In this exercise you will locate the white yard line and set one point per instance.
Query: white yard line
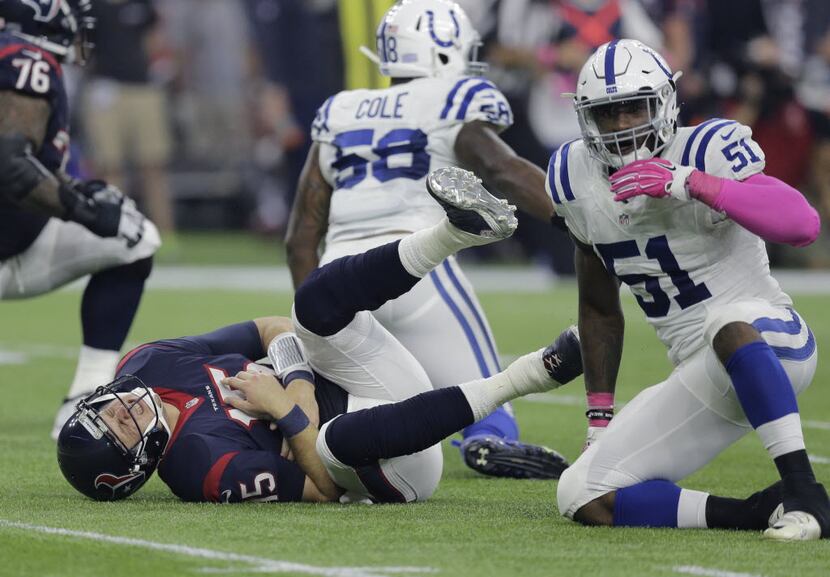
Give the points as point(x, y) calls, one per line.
point(819, 460)
point(249, 563)
point(709, 572)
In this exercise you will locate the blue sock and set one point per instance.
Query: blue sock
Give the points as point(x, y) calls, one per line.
point(647, 504)
point(762, 385)
point(333, 294)
point(500, 423)
point(361, 438)
point(109, 304)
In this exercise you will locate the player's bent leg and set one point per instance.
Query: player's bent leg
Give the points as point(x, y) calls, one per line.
point(361, 439)
point(66, 251)
point(364, 359)
point(769, 354)
point(351, 446)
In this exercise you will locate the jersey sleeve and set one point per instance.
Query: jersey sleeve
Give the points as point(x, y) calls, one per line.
point(558, 185)
point(241, 338)
point(471, 99)
point(724, 148)
point(320, 130)
point(30, 71)
point(205, 468)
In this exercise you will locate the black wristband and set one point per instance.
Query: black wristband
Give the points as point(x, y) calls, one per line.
point(294, 423)
point(600, 414)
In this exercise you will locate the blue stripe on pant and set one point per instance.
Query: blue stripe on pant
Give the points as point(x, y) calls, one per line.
point(499, 423)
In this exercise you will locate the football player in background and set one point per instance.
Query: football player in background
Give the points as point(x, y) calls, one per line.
point(56, 229)
point(363, 186)
point(216, 421)
point(680, 215)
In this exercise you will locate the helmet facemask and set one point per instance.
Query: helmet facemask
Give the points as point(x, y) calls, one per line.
point(129, 393)
point(617, 148)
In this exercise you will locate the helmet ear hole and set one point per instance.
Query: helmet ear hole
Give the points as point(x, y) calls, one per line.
point(443, 58)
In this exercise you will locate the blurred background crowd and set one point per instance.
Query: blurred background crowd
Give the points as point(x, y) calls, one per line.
point(200, 109)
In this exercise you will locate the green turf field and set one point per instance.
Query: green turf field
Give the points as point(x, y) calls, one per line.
point(472, 526)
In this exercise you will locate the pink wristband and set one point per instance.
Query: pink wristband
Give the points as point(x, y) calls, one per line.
point(600, 409)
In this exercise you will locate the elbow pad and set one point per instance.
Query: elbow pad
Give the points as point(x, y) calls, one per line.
point(20, 171)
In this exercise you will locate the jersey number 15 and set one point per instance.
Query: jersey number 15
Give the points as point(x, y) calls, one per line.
point(352, 168)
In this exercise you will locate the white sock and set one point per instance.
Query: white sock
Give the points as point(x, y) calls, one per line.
point(691, 509)
point(95, 367)
point(782, 436)
point(424, 250)
point(525, 375)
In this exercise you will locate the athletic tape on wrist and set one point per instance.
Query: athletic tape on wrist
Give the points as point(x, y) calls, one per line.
point(294, 423)
point(287, 356)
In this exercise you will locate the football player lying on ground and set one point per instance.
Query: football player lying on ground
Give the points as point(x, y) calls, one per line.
point(215, 422)
point(680, 216)
point(56, 229)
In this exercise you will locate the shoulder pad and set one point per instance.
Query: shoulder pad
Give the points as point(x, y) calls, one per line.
point(476, 98)
point(29, 70)
point(723, 148)
point(559, 174)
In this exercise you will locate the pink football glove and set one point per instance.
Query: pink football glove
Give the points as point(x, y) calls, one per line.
point(655, 177)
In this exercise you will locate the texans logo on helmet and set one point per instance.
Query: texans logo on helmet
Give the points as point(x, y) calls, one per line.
point(116, 483)
point(45, 10)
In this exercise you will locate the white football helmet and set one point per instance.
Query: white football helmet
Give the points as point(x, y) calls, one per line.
point(626, 76)
point(419, 38)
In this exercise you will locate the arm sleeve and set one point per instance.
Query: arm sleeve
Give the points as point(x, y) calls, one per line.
point(241, 338)
point(28, 70)
point(320, 130)
point(558, 186)
point(206, 468)
point(254, 476)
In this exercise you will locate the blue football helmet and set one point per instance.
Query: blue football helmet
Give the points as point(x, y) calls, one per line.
point(95, 460)
point(61, 27)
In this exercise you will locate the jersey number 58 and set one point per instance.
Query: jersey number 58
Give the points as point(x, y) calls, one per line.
point(383, 160)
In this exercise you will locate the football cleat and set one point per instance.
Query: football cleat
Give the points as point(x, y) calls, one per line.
point(469, 206)
point(65, 412)
point(794, 526)
point(803, 516)
point(513, 459)
point(563, 357)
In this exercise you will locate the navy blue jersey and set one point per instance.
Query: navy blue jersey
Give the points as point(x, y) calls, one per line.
point(34, 72)
point(218, 453)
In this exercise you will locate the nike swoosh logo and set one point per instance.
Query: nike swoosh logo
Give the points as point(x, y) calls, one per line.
point(32, 54)
point(728, 135)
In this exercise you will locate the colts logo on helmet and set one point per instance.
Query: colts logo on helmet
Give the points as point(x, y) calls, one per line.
point(116, 483)
point(434, 36)
point(45, 10)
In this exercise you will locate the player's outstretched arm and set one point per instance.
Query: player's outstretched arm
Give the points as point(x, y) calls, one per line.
point(601, 329)
point(309, 218)
point(764, 205)
point(480, 149)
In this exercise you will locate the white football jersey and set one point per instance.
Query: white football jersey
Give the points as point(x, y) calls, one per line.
point(678, 258)
point(377, 147)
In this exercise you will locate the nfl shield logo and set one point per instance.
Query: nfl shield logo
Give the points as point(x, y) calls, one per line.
point(624, 219)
